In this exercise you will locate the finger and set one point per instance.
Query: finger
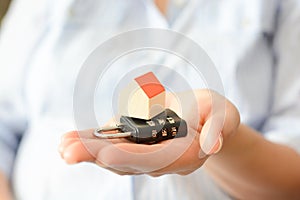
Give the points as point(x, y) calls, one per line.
point(155, 174)
point(79, 146)
point(189, 161)
point(83, 134)
point(89, 134)
point(181, 172)
point(72, 137)
point(184, 173)
point(211, 137)
point(218, 145)
point(65, 143)
point(128, 157)
point(75, 153)
point(86, 134)
point(83, 150)
point(119, 172)
point(144, 158)
point(232, 120)
point(124, 172)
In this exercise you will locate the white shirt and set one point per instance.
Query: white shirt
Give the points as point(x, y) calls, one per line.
point(254, 44)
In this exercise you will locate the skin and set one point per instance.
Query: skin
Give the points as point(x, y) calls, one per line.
point(84, 146)
point(250, 167)
point(5, 192)
point(247, 166)
point(162, 5)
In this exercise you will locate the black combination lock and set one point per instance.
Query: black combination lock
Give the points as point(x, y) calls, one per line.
point(164, 126)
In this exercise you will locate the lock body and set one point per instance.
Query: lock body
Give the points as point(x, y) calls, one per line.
point(164, 126)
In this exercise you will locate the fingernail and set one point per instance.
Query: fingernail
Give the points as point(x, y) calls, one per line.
point(211, 143)
point(218, 146)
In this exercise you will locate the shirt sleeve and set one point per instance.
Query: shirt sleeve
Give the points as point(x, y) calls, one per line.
point(12, 110)
point(283, 125)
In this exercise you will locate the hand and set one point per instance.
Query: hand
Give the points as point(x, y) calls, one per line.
point(207, 124)
point(5, 191)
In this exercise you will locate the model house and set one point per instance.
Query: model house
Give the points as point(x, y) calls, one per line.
point(143, 98)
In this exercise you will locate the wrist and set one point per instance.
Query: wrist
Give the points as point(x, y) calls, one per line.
point(237, 145)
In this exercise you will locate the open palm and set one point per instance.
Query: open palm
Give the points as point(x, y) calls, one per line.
point(211, 118)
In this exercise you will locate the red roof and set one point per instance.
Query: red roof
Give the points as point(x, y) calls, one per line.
point(150, 84)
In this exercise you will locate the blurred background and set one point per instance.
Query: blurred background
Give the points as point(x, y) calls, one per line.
point(3, 8)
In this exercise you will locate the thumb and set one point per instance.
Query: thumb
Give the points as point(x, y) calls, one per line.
point(211, 138)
